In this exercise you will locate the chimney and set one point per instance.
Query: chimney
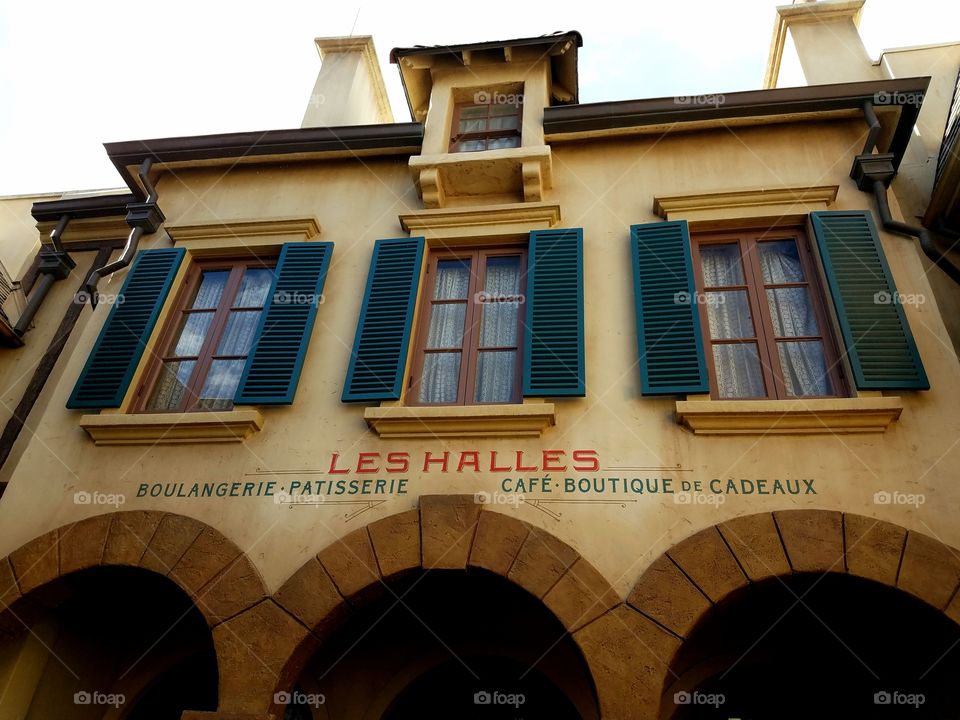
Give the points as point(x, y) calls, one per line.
point(349, 88)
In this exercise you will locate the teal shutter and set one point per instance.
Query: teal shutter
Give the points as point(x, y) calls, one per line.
point(553, 363)
point(118, 349)
point(379, 353)
point(672, 361)
point(273, 367)
point(879, 344)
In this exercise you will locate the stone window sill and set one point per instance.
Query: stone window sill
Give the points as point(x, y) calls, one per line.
point(172, 428)
point(789, 417)
point(461, 421)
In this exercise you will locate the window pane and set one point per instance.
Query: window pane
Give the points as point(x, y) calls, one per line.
point(721, 265)
point(792, 312)
point(472, 126)
point(220, 385)
point(470, 146)
point(504, 108)
point(441, 378)
point(498, 327)
point(212, 283)
point(453, 280)
point(254, 288)
point(496, 372)
point(474, 111)
point(738, 370)
point(505, 142)
point(804, 368)
point(446, 325)
point(171, 385)
point(780, 261)
point(507, 122)
point(728, 313)
point(192, 334)
point(237, 337)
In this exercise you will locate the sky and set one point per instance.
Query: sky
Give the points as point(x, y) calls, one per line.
point(74, 75)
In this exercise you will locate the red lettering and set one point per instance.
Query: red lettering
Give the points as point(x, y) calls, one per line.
point(365, 462)
point(493, 463)
point(428, 459)
point(398, 462)
point(552, 460)
point(521, 467)
point(469, 458)
point(334, 470)
point(589, 459)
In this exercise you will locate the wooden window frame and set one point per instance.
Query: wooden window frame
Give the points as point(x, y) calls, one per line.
point(764, 336)
point(470, 343)
point(456, 138)
point(206, 355)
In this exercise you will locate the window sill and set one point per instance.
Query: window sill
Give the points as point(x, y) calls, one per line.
point(521, 420)
point(525, 171)
point(789, 417)
point(172, 428)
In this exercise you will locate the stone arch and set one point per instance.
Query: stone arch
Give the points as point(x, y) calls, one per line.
point(681, 586)
point(216, 575)
point(266, 646)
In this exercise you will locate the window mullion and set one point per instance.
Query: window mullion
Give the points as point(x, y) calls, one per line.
point(763, 327)
point(471, 335)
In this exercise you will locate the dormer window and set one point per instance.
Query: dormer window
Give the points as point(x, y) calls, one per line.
point(491, 120)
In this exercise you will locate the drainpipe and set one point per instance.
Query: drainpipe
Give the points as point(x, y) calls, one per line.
point(143, 218)
point(873, 173)
point(52, 265)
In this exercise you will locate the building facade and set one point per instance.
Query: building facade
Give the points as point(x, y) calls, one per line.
point(524, 408)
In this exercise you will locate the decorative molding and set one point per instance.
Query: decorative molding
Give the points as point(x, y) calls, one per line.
point(81, 230)
point(532, 174)
point(244, 232)
point(431, 189)
point(501, 421)
point(716, 207)
point(172, 428)
point(789, 417)
point(477, 222)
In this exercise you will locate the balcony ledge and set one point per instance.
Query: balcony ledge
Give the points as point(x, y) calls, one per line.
point(172, 428)
point(835, 416)
point(461, 421)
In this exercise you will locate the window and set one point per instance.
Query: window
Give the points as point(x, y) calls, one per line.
point(490, 122)
point(762, 316)
point(206, 344)
point(470, 335)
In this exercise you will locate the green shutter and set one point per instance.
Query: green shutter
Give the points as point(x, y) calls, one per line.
point(553, 363)
point(668, 326)
point(879, 344)
point(118, 349)
point(383, 331)
point(273, 367)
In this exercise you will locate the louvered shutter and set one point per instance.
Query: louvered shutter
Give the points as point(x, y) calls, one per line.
point(879, 344)
point(121, 343)
point(553, 362)
point(668, 326)
point(379, 353)
point(273, 367)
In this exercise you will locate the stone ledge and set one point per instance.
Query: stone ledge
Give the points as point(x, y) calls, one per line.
point(172, 428)
point(789, 417)
point(519, 420)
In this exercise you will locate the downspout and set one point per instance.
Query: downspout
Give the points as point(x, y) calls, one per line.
point(53, 265)
point(873, 173)
point(143, 218)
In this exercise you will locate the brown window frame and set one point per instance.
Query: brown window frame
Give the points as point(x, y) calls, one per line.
point(470, 343)
point(456, 138)
point(206, 355)
point(764, 336)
